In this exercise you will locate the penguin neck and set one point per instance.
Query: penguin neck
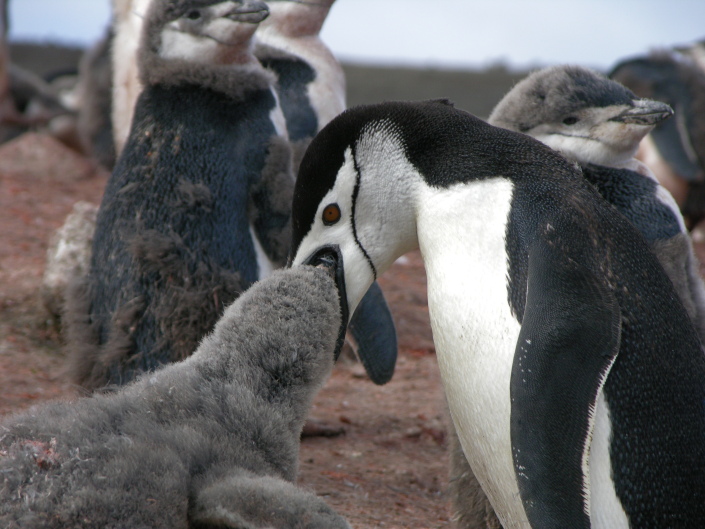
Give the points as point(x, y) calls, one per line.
point(234, 80)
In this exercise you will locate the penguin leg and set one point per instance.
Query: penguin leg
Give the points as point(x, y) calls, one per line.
point(259, 502)
point(569, 339)
point(469, 505)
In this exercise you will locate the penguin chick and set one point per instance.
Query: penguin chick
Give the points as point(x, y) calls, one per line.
point(197, 207)
point(212, 441)
point(599, 123)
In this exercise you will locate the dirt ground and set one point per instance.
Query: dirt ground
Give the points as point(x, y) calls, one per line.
point(388, 468)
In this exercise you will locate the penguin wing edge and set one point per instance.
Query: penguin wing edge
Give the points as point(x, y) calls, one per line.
point(569, 339)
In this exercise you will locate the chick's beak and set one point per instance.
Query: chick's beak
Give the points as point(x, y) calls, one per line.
point(251, 11)
point(645, 112)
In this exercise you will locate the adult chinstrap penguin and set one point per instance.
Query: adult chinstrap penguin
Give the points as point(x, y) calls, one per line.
point(599, 123)
point(197, 208)
point(573, 374)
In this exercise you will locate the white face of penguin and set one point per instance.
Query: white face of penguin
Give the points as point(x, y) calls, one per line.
point(369, 213)
point(606, 136)
point(220, 33)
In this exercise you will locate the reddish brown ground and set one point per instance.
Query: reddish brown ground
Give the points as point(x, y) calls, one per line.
point(387, 470)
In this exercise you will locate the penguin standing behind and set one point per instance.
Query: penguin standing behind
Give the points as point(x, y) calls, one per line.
point(574, 377)
point(599, 123)
point(310, 81)
point(372, 326)
point(128, 18)
point(675, 149)
point(197, 208)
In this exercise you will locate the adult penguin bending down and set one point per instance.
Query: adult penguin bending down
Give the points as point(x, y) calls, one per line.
point(574, 377)
point(197, 208)
point(310, 85)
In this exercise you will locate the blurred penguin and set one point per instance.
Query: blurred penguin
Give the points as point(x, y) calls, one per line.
point(675, 149)
point(128, 17)
point(310, 81)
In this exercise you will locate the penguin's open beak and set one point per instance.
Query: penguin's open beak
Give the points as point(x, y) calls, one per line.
point(251, 11)
point(331, 258)
point(645, 112)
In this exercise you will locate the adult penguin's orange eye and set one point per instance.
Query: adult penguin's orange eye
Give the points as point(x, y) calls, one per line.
point(331, 214)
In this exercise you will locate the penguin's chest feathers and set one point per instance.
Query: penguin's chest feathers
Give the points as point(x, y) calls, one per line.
point(462, 235)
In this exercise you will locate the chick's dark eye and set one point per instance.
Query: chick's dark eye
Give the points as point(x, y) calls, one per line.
point(570, 120)
point(331, 214)
point(193, 15)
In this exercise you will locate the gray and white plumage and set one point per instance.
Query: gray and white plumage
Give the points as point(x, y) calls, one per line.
point(607, 123)
point(212, 441)
point(197, 207)
point(573, 374)
point(311, 82)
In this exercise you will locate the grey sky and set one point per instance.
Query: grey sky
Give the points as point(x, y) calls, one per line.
point(451, 33)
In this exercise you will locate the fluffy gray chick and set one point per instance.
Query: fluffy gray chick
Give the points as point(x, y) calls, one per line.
point(212, 441)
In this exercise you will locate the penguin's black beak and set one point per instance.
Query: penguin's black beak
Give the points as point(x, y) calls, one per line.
point(250, 11)
point(331, 259)
point(645, 112)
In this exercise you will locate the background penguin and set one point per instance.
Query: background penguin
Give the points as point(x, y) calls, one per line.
point(675, 149)
point(94, 91)
point(197, 208)
point(310, 81)
point(209, 442)
point(573, 374)
point(128, 18)
point(372, 326)
point(598, 123)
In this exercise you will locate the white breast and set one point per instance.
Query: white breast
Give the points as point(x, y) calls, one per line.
point(462, 238)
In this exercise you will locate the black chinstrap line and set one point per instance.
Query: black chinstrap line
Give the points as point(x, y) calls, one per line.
point(352, 218)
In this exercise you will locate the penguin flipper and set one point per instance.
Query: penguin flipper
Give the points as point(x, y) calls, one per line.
point(569, 339)
point(373, 328)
